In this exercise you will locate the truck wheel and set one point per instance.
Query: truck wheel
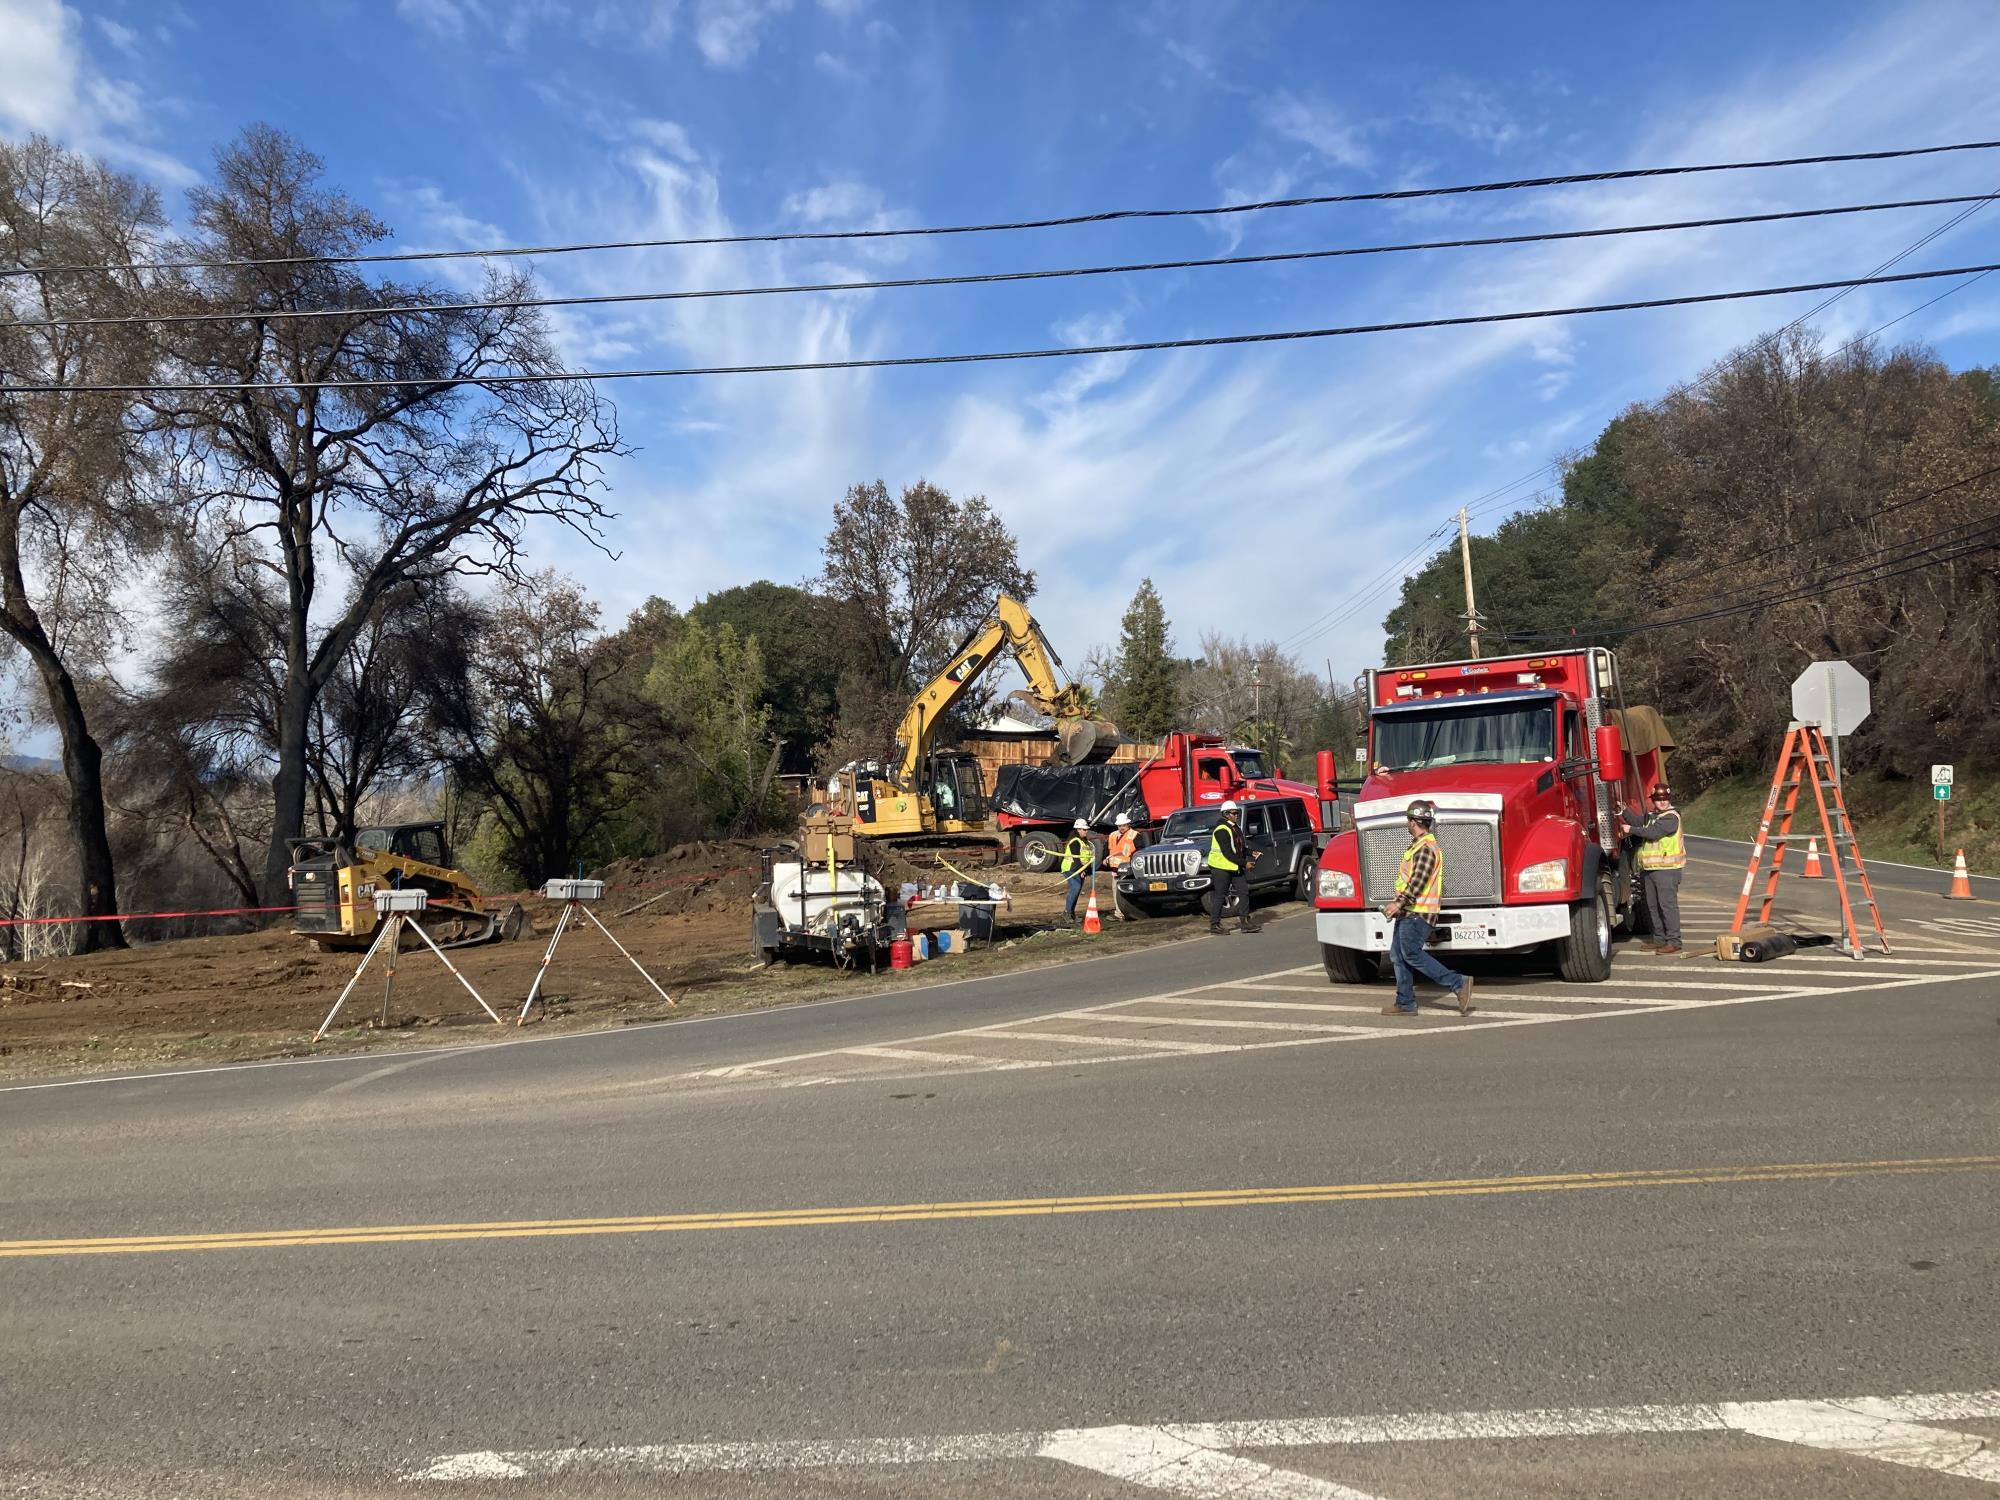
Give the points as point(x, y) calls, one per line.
point(1584, 957)
point(1039, 853)
point(1129, 909)
point(1348, 966)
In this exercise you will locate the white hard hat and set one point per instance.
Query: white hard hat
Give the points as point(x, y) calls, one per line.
point(1230, 805)
point(1124, 821)
point(1082, 827)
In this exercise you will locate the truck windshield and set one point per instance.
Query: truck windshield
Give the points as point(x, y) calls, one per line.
point(1250, 764)
point(1190, 823)
point(1466, 734)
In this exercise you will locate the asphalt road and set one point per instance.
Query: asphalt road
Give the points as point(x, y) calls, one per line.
point(974, 1240)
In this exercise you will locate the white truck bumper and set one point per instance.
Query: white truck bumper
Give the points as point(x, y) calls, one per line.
point(1475, 927)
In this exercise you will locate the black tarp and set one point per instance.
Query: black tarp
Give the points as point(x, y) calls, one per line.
point(1066, 793)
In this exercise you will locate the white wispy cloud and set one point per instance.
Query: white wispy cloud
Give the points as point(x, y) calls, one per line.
point(728, 32)
point(49, 83)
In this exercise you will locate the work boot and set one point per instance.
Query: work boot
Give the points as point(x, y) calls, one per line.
point(1465, 997)
point(1244, 924)
point(1668, 950)
point(1397, 1010)
point(1216, 929)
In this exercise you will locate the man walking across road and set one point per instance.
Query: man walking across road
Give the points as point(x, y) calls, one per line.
point(1079, 863)
point(1662, 857)
point(1419, 895)
point(1228, 871)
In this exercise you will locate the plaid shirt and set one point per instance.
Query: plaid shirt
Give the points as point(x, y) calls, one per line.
point(1423, 864)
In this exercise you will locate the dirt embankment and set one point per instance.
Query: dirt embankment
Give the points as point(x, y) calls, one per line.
point(684, 914)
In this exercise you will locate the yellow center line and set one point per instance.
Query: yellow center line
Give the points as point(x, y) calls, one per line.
point(907, 1213)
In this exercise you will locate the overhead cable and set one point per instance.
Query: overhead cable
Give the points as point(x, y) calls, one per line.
point(603, 299)
point(906, 361)
point(1386, 195)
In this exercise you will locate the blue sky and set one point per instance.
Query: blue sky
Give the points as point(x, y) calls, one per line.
point(1259, 487)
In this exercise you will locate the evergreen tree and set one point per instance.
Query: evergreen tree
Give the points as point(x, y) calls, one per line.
point(1145, 687)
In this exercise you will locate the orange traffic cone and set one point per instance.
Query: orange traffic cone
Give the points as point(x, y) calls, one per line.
point(1961, 883)
point(1092, 922)
point(1813, 870)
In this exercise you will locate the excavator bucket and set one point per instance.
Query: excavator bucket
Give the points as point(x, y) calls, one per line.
point(1084, 741)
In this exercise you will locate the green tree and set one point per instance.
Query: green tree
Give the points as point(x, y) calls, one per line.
point(1144, 690)
point(802, 659)
point(709, 686)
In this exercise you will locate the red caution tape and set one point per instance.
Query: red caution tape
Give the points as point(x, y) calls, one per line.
point(144, 916)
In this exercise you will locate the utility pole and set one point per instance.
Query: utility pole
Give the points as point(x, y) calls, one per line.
point(1471, 609)
point(1257, 690)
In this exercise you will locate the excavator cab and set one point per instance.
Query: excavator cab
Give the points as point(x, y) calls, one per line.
point(957, 791)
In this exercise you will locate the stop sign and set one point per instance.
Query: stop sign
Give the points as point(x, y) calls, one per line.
point(1832, 695)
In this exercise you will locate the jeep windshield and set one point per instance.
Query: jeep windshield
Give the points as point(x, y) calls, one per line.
point(1466, 734)
point(1190, 823)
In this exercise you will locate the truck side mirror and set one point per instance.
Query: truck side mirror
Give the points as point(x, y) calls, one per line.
point(1326, 772)
point(1610, 755)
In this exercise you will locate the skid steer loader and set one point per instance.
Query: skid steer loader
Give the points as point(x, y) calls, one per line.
point(334, 889)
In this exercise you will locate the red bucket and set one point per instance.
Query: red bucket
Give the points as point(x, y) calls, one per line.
point(899, 953)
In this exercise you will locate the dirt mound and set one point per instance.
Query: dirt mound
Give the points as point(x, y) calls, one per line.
point(709, 875)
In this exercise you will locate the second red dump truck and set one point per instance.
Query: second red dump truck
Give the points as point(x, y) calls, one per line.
point(1037, 806)
point(1526, 759)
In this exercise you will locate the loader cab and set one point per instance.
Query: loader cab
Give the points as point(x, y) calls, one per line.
point(423, 842)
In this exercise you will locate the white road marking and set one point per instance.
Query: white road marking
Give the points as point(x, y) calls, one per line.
point(1154, 1459)
point(1138, 1020)
point(1194, 1458)
point(1632, 991)
point(1866, 1432)
point(1310, 1005)
point(1100, 1041)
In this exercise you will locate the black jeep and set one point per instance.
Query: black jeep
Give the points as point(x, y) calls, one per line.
point(1173, 872)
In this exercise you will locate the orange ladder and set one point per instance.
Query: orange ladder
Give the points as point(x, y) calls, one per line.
point(1805, 762)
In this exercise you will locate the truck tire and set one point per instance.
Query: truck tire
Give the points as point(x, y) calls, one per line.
point(1584, 957)
point(1041, 852)
point(1348, 965)
point(1306, 886)
point(1129, 909)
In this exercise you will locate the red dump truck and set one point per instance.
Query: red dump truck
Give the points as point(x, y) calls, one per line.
point(1527, 759)
point(1036, 806)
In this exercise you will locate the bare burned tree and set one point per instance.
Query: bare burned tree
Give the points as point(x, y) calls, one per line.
point(354, 453)
point(68, 458)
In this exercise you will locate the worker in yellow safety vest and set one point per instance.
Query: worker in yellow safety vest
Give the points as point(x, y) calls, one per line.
point(1413, 913)
point(1662, 857)
point(1079, 863)
point(1229, 871)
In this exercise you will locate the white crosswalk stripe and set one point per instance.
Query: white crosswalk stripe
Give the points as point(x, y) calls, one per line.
point(1298, 1007)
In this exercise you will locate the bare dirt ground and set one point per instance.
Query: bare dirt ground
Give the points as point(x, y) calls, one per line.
point(263, 994)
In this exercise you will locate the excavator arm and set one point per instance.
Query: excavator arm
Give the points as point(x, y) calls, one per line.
point(1012, 627)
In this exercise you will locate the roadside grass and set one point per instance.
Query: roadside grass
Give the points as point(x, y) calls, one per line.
point(1896, 820)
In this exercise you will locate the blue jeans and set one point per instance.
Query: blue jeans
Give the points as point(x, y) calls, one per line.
point(1075, 894)
point(1407, 953)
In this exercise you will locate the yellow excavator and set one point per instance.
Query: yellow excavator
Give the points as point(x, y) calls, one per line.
point(932, 794)
point(334, 886)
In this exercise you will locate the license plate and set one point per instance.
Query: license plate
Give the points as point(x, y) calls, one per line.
point(1156, 885)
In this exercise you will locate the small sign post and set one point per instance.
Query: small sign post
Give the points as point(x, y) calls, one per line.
point(1941, 779)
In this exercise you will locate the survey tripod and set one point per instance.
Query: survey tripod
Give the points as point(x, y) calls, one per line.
point(576, 897)
point(395, 909)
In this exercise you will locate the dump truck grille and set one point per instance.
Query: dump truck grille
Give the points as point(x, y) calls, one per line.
point(1471, 850)
point(1166, 863)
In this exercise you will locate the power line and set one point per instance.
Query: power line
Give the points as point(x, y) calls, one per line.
point(1905, 253)
point(1210, 341)
point(396, 309)
point(1058, 222)
point(1936, 547)
point(1476, 506)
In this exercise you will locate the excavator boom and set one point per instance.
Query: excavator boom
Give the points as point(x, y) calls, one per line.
point(1010, 627)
